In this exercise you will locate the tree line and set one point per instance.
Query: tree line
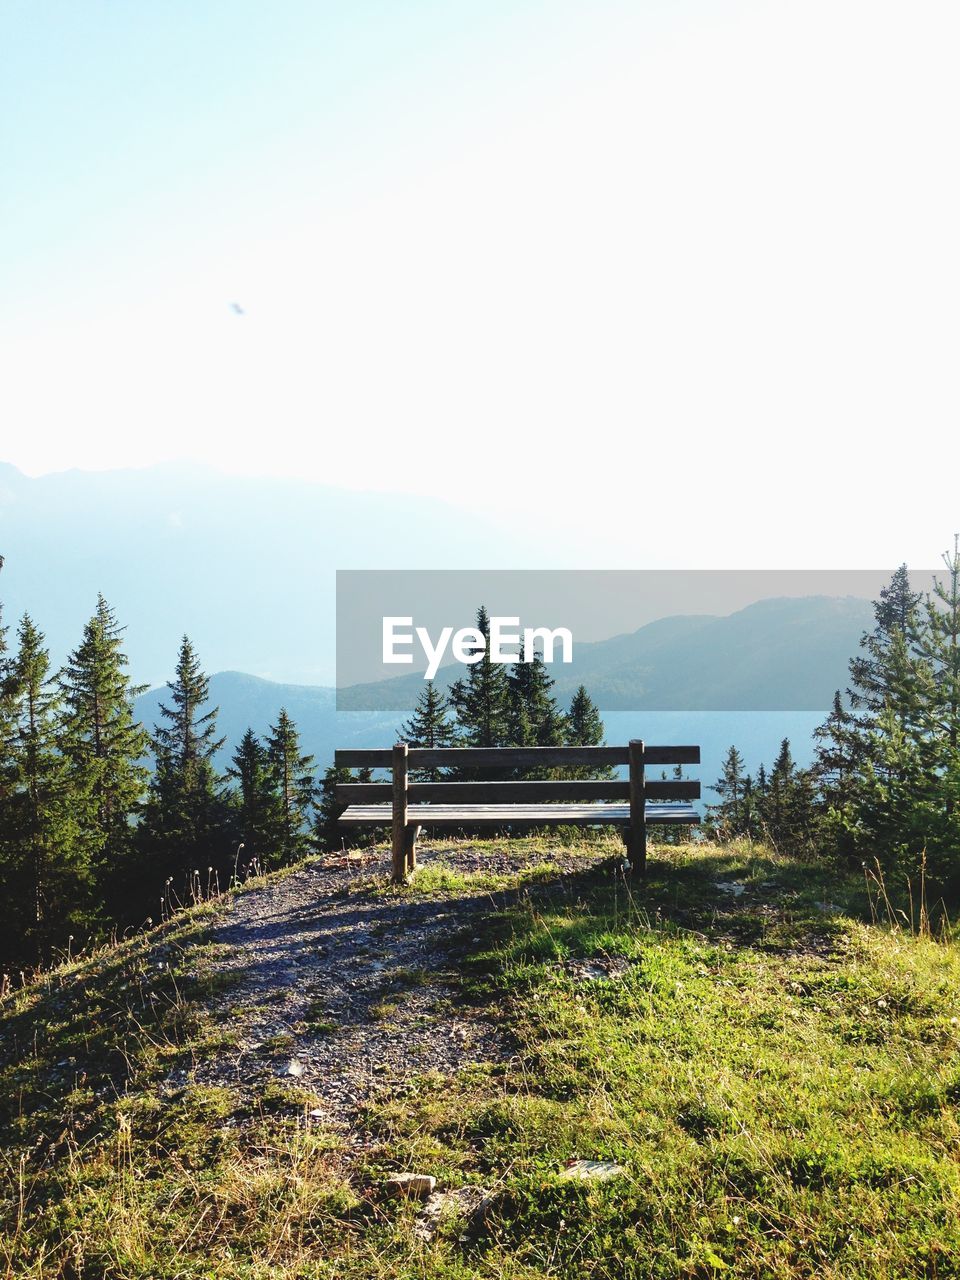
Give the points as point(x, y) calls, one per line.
point(491, 706)
point(105, 824)
point(885, 781)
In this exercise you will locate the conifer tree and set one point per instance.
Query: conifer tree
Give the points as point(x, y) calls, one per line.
point(584, 724)
point(727, 816)
point(839, 752)
point(185, 824)
point(892, 818)
point(876, 673)
point(938, 645)
point(429, 727)
point(291, 773)
point(789, 807)
point(47, 863)
point(906, 805)
point(328, 836)
point(7, 730)
point(749, 818)
point(533, 715)
point(886, 681)
point(534, 718)
point(104, 744)
point(778, 795)
point(256, 800)
point(481, 698)
point(584, 728)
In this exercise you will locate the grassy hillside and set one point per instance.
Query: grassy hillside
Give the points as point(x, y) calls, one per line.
point(773, 1072)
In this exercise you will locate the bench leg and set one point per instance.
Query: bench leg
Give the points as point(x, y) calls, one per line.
point(635, 841)
point(399, 815)
point(399, 852)
point(410, 848)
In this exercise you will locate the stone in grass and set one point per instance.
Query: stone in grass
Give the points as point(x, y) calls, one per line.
point(733, 887)
point(595, 1170)
point(410, 1186)
point(293, 1068)
point(470, 1202)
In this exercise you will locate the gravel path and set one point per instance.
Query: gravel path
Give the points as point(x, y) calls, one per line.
point(344, 990)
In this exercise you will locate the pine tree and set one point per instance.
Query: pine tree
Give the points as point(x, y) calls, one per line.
point(12, 884)
point(938, 646)
point(584, 725)
point(530, 687)
point(894, 817)
point(429, 727)
point(789, 808)
point(291, 772)
point(255, 799)
point(584, 728)
point(186, 825)
point(481, 698)
point(876, 672)
point(891, 683)
point(727, 817)
point(104, 744)
point(778, 795)
point(838, 754)
point(906, 805)
point(534, 719)
point(47, 864)
point(7, 730)
point(328, 836)
point(750, 820)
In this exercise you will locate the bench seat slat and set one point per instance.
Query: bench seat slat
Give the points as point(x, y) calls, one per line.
point(530, 792)
point(580, 815)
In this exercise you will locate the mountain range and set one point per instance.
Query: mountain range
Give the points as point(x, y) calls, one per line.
point(777, 655)
point(244, 565)
point(247, 701)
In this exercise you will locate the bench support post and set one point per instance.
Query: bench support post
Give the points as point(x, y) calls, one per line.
point(399, 761)
point(637, 832)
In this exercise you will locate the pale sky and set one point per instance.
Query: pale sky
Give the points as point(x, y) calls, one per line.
point(685, 275)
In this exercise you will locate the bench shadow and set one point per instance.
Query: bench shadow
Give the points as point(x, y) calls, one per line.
point(357, 945)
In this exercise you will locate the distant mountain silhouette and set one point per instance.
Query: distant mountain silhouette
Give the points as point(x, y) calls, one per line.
point(788, 653)
point(249, 702)
point(245, 566)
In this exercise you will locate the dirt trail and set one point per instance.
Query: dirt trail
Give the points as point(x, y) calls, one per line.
point(343, 989)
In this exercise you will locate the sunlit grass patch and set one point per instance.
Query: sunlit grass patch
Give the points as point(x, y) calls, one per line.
point(774, 1076)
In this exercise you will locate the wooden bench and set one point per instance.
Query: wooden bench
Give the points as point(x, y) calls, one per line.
point(632, 804)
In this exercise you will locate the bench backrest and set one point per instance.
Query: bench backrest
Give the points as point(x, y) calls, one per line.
point(401, 759)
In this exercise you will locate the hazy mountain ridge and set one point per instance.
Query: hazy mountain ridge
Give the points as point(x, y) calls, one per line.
point(778, 654)
point(247, 701)
point(784, 653)
point(244, 565)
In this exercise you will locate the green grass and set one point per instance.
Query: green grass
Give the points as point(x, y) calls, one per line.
point(441, 880)
point(777, 1074)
